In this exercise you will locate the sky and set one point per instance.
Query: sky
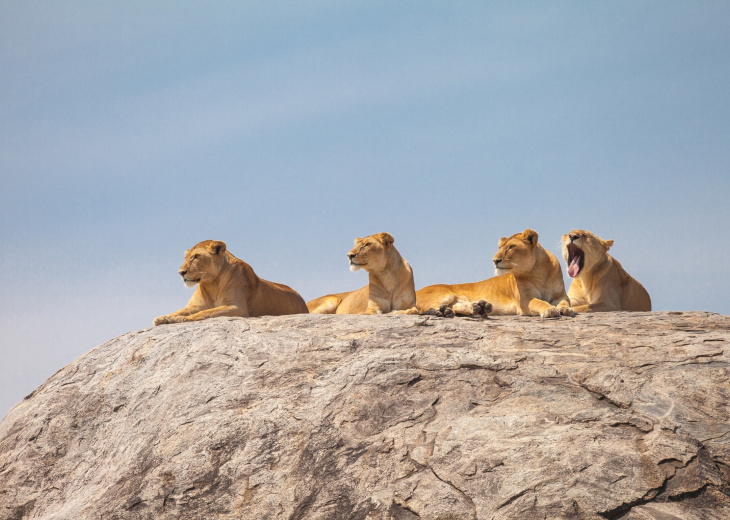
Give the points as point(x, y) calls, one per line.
point(129, 131)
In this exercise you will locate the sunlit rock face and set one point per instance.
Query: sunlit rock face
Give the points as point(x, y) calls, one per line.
point(611, 415)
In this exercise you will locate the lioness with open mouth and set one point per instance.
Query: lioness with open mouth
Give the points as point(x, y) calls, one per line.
point(599, 283)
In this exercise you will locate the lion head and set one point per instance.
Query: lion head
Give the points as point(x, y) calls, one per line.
point(202, 262)
point(582, 250)
point(370, 253)
point(516, 254)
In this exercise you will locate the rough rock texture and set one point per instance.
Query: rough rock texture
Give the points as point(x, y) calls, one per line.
point(383, 417)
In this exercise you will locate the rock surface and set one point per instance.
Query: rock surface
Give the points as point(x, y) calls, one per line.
point(601, 416)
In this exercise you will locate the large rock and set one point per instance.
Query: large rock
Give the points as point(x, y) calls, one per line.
point(382, 417)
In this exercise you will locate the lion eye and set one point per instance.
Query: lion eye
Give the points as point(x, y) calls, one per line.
point(195, 257)
point(510, 247)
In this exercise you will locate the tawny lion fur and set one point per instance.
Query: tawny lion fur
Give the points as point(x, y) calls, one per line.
point(228, 286)
point(529, 281)
point(390, 282)
point(599, 283)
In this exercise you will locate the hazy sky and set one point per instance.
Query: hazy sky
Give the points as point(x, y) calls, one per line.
point(131, 130)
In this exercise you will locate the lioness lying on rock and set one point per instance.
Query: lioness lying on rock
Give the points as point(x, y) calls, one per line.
point(529, 281)
point(228, 286)
point(390, 282)
point(599, 282)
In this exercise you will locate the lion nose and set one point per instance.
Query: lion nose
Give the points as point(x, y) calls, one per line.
point(182, 272)
point(350, 256)
point(573, 238)
point(497, 261)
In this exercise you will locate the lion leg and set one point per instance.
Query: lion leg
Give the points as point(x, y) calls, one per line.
point(469, 308)
point(597, 307)
point(542, 308)
point(412, 310)
point(164, 320)
point(440, 307)
point(377, 305)
point(565, 309)
point(217, 312)
point(324, 305)
point(186, 315)
point(176, 317)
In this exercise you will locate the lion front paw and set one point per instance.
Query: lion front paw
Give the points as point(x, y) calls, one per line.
point(550, 312)
point(567, 311)
point(160, 320)
point(481, 308)
point(163, 320)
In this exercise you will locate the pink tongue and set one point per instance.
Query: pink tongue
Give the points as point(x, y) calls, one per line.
point(574, 268)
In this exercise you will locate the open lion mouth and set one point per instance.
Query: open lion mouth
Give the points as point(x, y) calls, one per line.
point(576, 258)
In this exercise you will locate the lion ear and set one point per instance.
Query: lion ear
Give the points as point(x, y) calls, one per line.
point(385, 238)
point(217, 247)
point(502, 241)
point(607, 244)
point(530, 235)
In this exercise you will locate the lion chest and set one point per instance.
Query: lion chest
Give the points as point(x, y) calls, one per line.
point(227, 294)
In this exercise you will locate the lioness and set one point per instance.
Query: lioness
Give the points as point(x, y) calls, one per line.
point(529, 281)
point(599, 282)
point(228, 286)
point(390, 282)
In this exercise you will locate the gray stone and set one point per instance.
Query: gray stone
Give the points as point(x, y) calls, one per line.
point(602, 416)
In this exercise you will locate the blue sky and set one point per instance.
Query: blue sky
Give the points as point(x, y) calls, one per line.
point(129, 131)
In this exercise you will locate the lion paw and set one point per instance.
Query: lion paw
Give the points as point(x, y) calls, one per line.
point(160, 320)
point(567, 311)
point(551, 312)
point(482, 308)
point(442, 312)
point(163, 320)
